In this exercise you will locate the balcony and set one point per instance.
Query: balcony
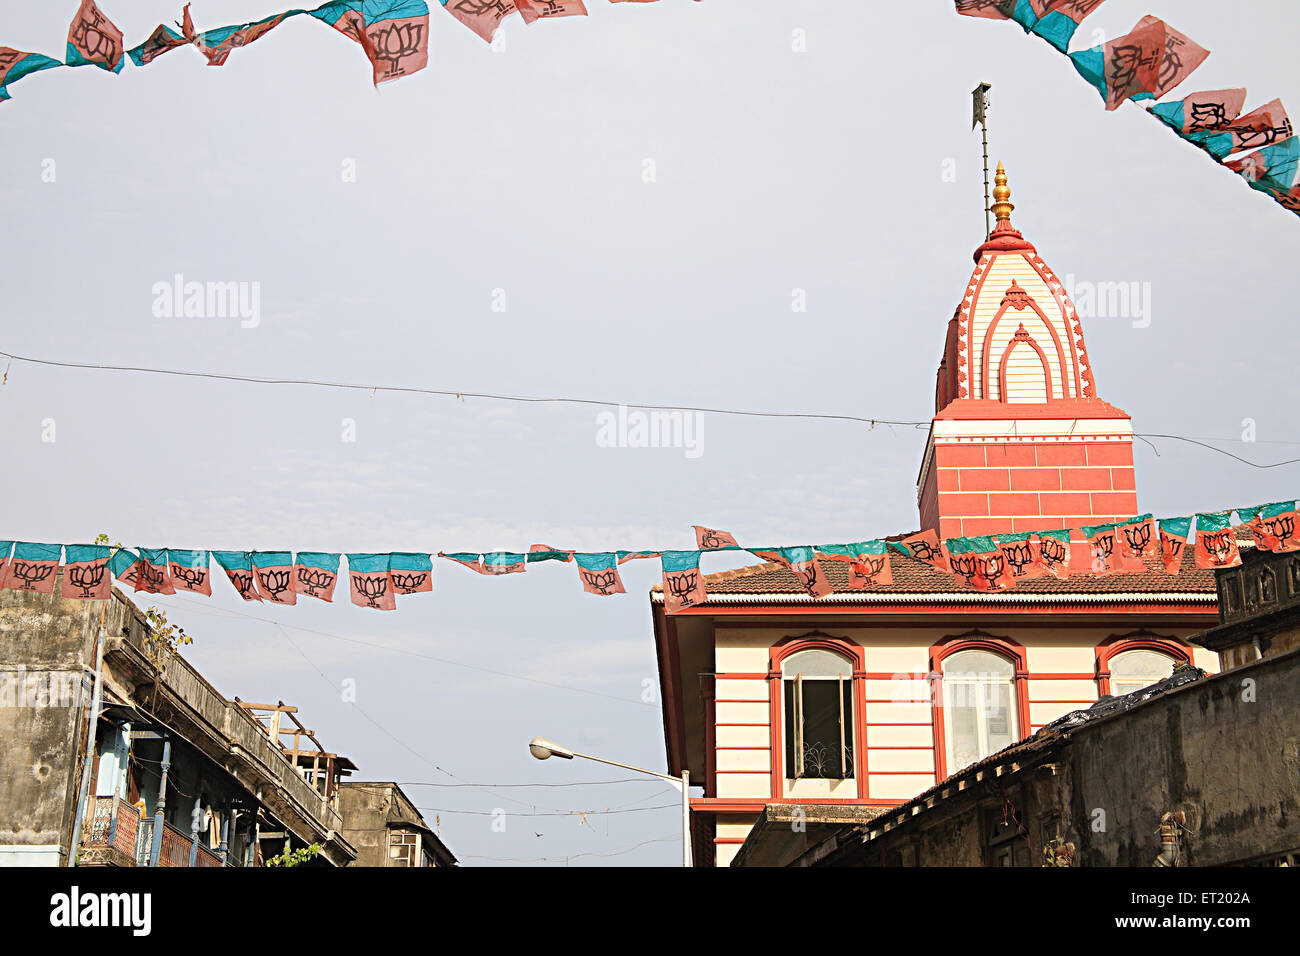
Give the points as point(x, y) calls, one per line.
point(111, 834)
point(115, 835)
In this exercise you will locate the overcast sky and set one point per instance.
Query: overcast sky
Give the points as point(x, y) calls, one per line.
point(848, 171)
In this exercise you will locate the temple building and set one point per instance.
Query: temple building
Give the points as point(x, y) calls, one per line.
point(800, 715)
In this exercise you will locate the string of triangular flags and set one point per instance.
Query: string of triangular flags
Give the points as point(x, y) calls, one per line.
point(376, 579)
point(1148, 62)
point(393, 34)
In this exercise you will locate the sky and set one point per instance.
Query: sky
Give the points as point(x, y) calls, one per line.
point(763, 205)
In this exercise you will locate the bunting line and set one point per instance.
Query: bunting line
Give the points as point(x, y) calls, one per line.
point(1148, 62)
point(376, 579)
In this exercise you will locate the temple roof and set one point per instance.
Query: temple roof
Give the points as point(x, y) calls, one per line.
point(916, 581)
point(1016, 337)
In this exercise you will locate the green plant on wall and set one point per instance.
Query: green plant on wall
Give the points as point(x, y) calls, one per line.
point(287, 857)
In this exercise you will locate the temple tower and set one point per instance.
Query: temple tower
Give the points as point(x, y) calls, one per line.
point(1020, 441)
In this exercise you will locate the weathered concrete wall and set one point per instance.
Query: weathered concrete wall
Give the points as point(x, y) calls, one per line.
point(1226, 750)
point(364, 810)
point(46, 655)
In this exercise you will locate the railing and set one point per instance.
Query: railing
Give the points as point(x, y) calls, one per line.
point(175, 847)
point(206, 857)
point(111, 832)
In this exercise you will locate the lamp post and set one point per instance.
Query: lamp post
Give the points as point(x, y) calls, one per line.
point(541, 748)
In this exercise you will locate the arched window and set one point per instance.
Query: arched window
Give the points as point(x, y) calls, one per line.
point(979, 706)
point(818, 689)
point(1133, 670)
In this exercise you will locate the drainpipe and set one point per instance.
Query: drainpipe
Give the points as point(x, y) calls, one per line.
point(156, 850)
point(1170, 824)
point(74, 842)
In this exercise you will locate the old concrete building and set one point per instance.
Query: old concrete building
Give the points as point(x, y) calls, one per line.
point(387, 829)
point(180, 776)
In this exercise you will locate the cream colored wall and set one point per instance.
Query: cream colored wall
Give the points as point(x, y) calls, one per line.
point(900, 758)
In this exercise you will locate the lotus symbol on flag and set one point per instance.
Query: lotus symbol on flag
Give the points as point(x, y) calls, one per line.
point(274, 583)
point(1138, 537)
point(1103, 546)
point(966, 567)
point(94, 42)
point(371, 587)
point(86, 577)
point(994, 567)
point(869, 568)
point(1052, 550)
point(601, 581)
point(681, 584)
point(711, 539)
point(191, 578)
point(396, 41)
point(1172, 547)
point(407, 582)
point(314, 578)
point(151, 578)
point(1218, 545)
point(924, 551)
point(1282, 528)
point(1019, 556)
point(243, 582)
point(30, 574)
point(1207, 116)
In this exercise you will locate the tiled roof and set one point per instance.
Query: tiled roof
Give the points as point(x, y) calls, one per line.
point(771, 583)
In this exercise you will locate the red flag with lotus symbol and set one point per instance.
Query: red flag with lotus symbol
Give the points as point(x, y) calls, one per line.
point(1173, 542)
point(315, 574)
point(152, 573)
point(369, 582)
point(708, 539)
point(275, 576)
point(1023, 558)
point(599, 573)
point(980, 562)
point(93, 40)
point(1273, 526)
point(1137, 537)
point(1216, 541)
point(85, 572)
point(238, 566)
point(1054, 552)
point(683, 583)
point(925, 546)
point(481, 16)
point(32, 567)
point(189, 571)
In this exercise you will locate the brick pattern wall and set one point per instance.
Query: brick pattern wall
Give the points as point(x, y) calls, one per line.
point(986, 488)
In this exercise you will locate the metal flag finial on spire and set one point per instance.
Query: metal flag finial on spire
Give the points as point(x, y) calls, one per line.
point(979, 117)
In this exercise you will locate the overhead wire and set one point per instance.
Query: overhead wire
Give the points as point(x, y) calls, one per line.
point(565, 400)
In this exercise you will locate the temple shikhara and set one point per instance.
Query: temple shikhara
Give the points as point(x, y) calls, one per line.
point(801, 714)
point(1020, 440)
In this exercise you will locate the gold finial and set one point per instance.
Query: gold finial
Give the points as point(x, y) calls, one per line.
point(1002, 204)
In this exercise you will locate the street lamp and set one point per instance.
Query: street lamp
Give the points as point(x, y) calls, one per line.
point(541, 748)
